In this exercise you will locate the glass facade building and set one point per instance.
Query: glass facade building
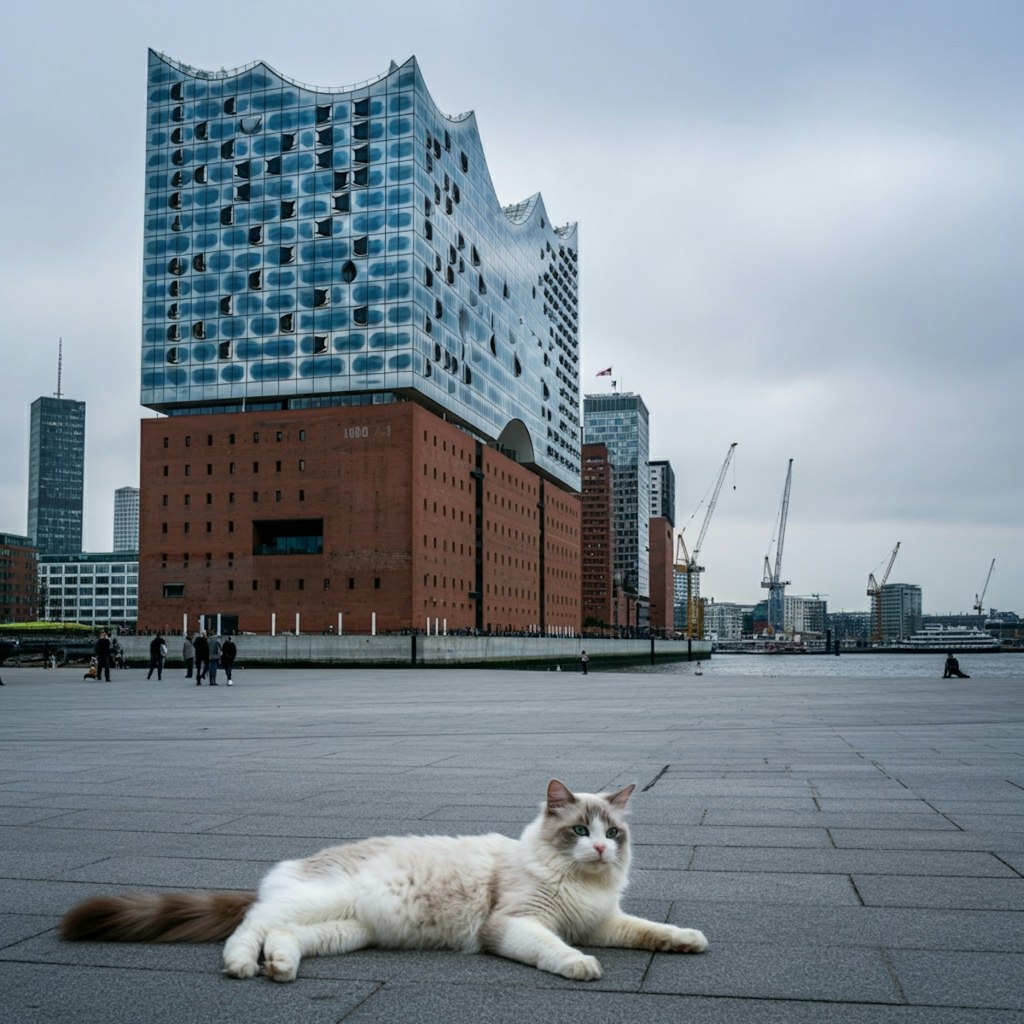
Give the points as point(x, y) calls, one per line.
point(308, 247)
point(56, 474)
point(621, 423)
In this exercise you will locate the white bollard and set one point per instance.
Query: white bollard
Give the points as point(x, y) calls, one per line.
point(273, 623)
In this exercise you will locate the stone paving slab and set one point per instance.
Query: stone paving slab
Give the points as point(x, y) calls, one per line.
point(853, 848)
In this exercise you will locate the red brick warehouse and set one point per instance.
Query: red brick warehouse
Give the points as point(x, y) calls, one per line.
point(384, 510)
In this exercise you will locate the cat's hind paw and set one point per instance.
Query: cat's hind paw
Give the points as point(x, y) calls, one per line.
point(580, 968)
point(281, 956)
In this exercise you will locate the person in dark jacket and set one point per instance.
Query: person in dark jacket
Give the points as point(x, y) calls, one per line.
point(202, 646)
point(228, 653)
point(102, 652)
point(157, 653)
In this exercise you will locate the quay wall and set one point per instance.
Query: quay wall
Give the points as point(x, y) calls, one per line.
point(439, 651)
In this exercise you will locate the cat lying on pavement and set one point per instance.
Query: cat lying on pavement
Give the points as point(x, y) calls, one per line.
point(530, 899)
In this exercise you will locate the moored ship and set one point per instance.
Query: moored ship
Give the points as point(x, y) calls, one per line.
point(958, 639)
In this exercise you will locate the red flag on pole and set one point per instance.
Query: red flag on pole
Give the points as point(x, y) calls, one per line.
point(605, 373)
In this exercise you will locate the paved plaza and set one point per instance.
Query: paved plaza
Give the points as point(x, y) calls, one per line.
point(853, 848)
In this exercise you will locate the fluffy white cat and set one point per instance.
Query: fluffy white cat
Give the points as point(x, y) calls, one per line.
point(531, 899)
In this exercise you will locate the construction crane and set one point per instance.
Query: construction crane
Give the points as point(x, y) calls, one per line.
point(875, 593)
point(979, 599)
point(773, 580)
point(686, 562)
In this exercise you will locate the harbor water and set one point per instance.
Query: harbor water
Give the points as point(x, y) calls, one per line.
point(850, 666)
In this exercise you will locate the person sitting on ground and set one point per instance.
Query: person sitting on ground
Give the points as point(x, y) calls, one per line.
point(953, 668)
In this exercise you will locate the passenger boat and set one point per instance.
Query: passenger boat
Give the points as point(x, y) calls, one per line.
point(958, 639)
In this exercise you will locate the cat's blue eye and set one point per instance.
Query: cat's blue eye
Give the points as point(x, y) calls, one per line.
point(612, 832)
point(581, 830)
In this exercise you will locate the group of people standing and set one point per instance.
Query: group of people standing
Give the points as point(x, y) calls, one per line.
point(206, 655)
point(203, 655)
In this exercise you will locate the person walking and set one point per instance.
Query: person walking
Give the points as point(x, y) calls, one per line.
point(228, 653)
point(202, 649)
point(215, 648)
point(188, 655)
point(102, 652)
point(157, 653)
point(584, 661)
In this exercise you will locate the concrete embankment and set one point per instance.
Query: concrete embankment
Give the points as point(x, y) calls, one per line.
point(439, 651)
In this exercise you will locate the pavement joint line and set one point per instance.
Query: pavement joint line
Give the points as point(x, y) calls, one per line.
point(654, 781)
point(856, 890)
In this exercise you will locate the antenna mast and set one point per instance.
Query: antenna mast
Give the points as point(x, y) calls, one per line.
point(60, 363)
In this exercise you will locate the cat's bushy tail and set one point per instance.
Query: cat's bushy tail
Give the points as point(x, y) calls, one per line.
point(157, 917)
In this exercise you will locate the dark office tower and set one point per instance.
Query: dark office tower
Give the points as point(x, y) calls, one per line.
point(56, 470)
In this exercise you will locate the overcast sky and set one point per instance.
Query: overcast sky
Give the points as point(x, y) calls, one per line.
point(801, 228)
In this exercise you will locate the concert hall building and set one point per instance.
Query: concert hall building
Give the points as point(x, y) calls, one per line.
point(365, 370)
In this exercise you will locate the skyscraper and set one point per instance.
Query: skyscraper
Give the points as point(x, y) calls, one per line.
point(663, 490)
point(126, 519)
point(621, 423)
point(56, 472)
point(317, 263)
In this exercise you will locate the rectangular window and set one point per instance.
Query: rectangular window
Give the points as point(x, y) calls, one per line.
point(376, 583)
point(351, 583)
point(288, 537)
point(174, 590)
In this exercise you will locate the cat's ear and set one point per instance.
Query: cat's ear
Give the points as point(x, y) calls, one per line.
point(622, 797)
point(559, 796)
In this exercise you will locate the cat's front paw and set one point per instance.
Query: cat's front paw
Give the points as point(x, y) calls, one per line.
point(580, 968)
point(686, 940)
point(240, 967)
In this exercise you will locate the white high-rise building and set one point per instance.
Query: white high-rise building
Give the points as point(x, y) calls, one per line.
point(126, 519)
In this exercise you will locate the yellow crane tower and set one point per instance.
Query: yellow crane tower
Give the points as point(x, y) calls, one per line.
point(686, 562)
point(875, 593)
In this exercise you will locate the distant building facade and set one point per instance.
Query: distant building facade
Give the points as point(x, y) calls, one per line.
point(56, 475)
point(369, 367)
point(598, 538)
point(94, 588)
point(663, 490)
point(804, 614)
point(126, 519)
point(18, 583)
point(850, 627)
point(621, 422)
point(662, 606)
point(723, 621)
point(901, 611)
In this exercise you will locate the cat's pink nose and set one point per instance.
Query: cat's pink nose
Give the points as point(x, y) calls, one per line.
point(600, 847)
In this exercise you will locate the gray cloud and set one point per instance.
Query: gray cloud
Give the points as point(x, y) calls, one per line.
point(800, 228)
